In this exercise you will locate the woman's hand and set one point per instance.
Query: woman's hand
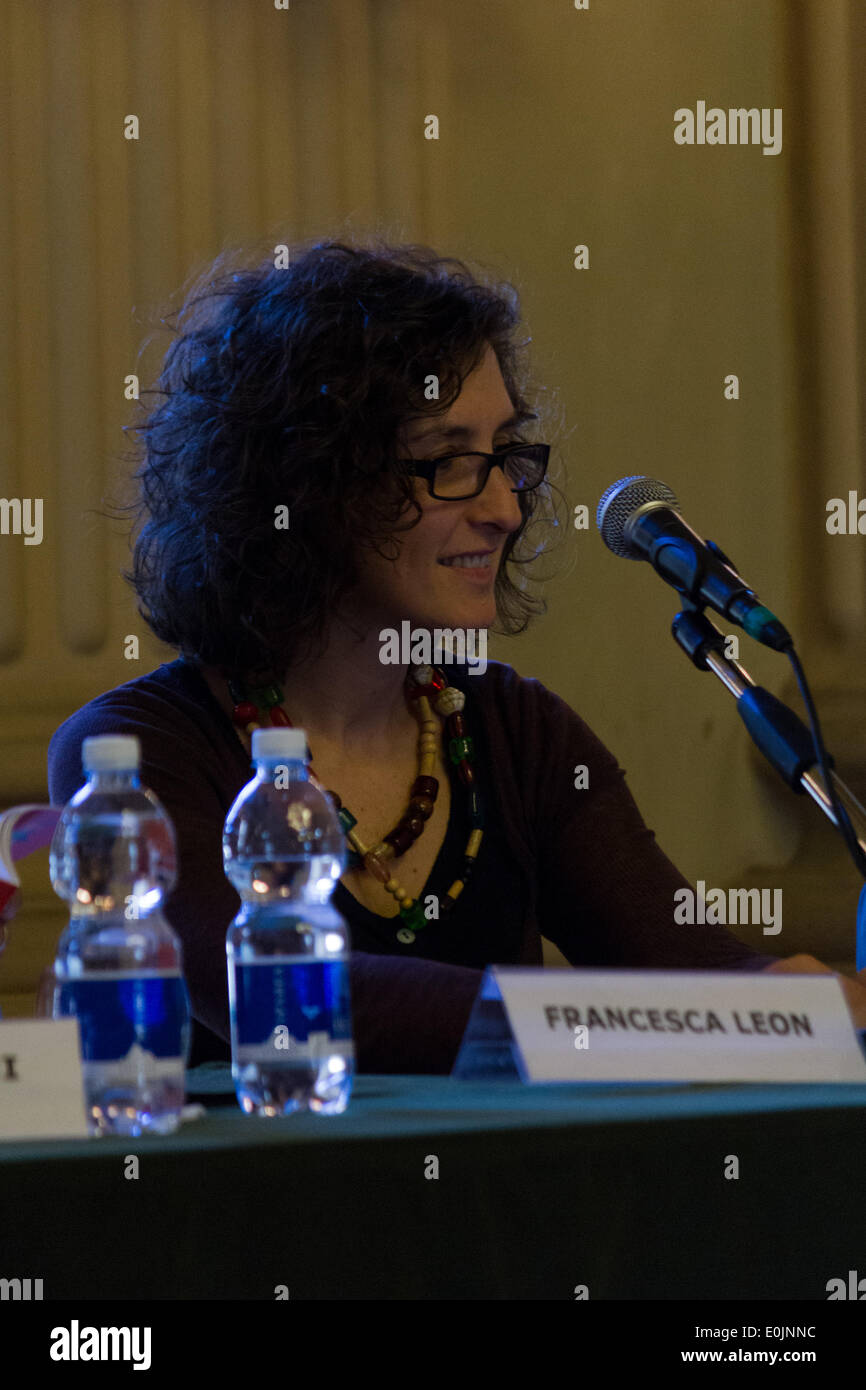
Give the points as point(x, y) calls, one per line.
point(853, 989)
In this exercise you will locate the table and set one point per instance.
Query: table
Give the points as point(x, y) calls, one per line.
point(540, 1189)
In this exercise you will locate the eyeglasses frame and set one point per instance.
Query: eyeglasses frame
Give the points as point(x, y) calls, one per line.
point(426, 468)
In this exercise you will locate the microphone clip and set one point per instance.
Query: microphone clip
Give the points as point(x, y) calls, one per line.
point(696, 635)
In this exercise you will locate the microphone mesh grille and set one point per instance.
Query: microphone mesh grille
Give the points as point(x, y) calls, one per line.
point(620, 501)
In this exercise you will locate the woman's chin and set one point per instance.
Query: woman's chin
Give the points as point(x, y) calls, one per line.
point(464, 619)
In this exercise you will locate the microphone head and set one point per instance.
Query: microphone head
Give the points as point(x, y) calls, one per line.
point(619, 504)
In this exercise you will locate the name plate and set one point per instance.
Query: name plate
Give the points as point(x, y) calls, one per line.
point(651, 1025)
point(41, 1082)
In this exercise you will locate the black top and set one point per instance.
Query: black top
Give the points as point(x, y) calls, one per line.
point(486, 924)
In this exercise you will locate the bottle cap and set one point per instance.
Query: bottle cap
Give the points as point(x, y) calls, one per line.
point(111, 753)
point(280, 743)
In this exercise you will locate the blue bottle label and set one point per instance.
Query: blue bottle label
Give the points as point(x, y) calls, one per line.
point(119, 1013)
point(290, 1007)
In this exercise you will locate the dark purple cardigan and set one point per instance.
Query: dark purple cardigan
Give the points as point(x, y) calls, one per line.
point(577, 865)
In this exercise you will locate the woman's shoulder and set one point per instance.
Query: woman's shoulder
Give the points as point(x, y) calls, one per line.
point(534, 735)
point(170, 694)
point(522, 703)
point(169, 709)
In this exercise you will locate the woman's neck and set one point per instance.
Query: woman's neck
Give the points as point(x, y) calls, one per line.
point(355, 708)
point(358, 710)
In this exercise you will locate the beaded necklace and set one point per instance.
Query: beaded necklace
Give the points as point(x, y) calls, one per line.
point(425, 686)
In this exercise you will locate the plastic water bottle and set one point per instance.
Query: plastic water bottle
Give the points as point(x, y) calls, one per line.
point(118, 965)
point(287, 949)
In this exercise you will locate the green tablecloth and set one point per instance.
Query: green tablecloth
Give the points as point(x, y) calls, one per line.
point(540, 1189)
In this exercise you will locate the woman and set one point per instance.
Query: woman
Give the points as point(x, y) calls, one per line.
point(340, 448)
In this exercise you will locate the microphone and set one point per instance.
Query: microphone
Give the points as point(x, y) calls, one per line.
point(639, 518)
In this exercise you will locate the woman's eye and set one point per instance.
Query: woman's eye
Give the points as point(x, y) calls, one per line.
point(498, 449)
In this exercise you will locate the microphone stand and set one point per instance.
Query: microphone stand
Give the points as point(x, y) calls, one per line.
point(776, 730)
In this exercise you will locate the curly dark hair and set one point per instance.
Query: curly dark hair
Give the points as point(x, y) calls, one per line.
point(289, 386)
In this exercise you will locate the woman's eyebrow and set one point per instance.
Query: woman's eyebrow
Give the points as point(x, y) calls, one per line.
point(464, 431)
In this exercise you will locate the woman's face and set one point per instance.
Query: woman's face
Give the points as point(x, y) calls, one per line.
point(417, 585)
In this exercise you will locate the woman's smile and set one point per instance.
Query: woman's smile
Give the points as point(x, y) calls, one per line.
point(476, 565)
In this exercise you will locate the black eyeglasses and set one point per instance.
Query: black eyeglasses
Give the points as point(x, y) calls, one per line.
point(457, 477)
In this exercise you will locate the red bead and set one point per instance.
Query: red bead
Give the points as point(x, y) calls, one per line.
point(377, 867)
point(279, 718)
point(425, 786)
point(414, 825)
point(421, 806)
point(455, 725)
point(244, 713)
point(465, 773)
point(400, 839)
point(416, 691)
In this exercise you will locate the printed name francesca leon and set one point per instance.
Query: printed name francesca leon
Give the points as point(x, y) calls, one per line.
point(755, 1022)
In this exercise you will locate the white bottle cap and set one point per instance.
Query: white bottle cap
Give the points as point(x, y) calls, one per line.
point(279, 743)
point(111, 753)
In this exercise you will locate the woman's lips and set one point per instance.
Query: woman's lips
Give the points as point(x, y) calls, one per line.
point(481, 559)
point(480, 571)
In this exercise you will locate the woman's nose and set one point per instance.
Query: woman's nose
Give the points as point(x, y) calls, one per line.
point(497, 495)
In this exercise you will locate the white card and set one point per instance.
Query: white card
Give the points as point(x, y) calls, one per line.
point(653, 1025)
point(41, 1082)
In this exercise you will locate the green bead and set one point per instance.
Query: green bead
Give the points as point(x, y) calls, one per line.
point(460, 748)
point(413, 916)
point(346, 819)
point(266, 695)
